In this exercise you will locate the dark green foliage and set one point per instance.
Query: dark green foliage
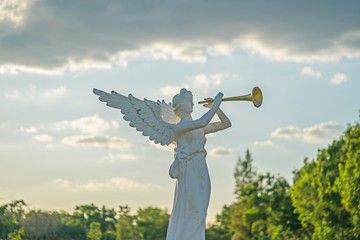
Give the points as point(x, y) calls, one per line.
point(152, 223)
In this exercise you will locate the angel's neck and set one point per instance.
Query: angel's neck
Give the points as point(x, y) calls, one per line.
point(185, 116)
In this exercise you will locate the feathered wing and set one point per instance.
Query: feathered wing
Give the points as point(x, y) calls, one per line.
point(144, 115)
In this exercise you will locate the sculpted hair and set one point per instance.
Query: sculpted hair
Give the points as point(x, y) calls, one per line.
point(179, 98)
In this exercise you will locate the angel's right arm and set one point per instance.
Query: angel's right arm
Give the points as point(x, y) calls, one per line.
point(217, 126)
point(185, 126)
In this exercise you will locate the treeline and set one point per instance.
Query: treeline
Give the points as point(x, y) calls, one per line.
point(322, 203)
point(86, 222)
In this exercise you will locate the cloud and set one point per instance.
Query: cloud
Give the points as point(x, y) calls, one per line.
point(308, 71)
point(220, 151)
point(33, 93)
point(338, 79)
point(322, 132)
point(287, 132)
point(43, 137)
point(116, 183)
point(14, 11)
point(318, 133)
point(51, 37)
point(92, 124)
point(200, 82)
point(97, 141)
point(55, 92)
point(119, 157)
point(12, 94)
point(28, 129)
point(263, 143)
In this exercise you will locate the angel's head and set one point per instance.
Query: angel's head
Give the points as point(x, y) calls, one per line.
point(183, 102)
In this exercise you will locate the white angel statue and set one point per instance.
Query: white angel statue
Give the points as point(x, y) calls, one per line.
point(173, 124)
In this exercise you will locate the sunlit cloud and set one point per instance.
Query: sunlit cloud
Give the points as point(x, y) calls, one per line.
point(14, 10)
point(43, 137)
point(220, 151)
point(116, 183)
point(161, 51)
point(15, 69)
point(97, 141)
point(318, 133)
point(200, 82)
point(322, 132)
point(100, 40)
point(33, 93)
point(287, 132)
point(91, 124)
point(222, 49)
point(264, 143)
point(55, 92)
point(338, 79)
point(28, 129)
point(308, 71)
point(119, 157)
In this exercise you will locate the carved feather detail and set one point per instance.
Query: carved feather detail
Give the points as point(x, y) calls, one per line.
point(153, 119)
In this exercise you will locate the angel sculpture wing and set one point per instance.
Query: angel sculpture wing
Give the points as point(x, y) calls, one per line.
point(153, 119)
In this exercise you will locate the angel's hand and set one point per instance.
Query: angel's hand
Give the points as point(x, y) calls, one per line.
point(218, 98)
point(209, 103)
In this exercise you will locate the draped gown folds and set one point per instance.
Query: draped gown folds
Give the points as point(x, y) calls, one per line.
point(192, 191)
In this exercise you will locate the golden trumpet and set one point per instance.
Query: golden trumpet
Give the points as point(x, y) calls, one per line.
point(256, 97)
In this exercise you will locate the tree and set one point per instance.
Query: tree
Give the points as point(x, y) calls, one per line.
point(348, 182)
point(221, 230)
point(71, 227)
point(152, 223)
point(126, 228)
point(94, 232)
point(16, 234)
point(10, 216)
point(39, 224)
point(244, 172)
point(325, 190)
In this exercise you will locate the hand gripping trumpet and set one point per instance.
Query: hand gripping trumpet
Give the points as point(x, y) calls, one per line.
point(255, 97)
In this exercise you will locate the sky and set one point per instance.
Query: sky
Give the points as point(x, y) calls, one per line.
point(61, 147)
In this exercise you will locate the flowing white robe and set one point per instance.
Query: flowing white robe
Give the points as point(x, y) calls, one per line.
point(192, 192)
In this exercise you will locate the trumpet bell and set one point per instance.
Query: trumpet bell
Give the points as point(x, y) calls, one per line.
point(257, 96)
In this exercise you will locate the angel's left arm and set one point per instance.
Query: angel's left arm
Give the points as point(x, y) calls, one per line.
point(217, 126)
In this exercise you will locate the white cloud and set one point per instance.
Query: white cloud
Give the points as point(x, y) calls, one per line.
point(318, 133)
point(97, 141)
point(14, 10)
point(43, 137)
point(92, 124)
point(120, 157)
point(263, 143)
point(13, 94)
point(28, 129)
point(33, 93)
point(200, 82)
point(338, 79)
point(55, 92)
point(287, 132)
point(308, 71)
point(116, 183)
point(222, 49)
point(322, 132)
point(220, 151)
